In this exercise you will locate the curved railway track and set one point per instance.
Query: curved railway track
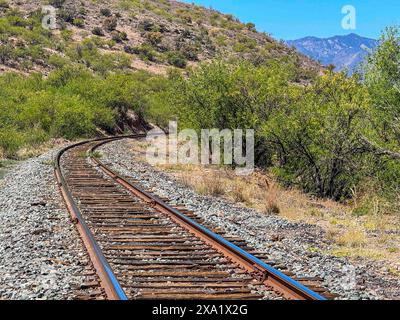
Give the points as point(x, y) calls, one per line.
point(143, 248)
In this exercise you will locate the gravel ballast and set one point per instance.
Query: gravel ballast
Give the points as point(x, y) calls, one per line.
point(360, 279)
point(41, 255)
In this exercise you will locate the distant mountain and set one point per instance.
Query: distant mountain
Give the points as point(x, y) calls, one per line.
point(345, 52)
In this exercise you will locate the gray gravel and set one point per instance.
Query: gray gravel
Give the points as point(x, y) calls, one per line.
point(41, 255)
point(360, 280)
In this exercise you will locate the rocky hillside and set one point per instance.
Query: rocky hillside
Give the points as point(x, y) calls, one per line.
point(128, 34)
point(344, 52)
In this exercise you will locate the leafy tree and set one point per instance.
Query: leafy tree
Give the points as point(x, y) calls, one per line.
point(309, 135)
point(233, 95)
point(317, 138)
point(382, 76)
point(382, 136)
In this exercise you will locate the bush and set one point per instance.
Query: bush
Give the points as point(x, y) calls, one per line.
point(147, 25)
point(78, 22)
point(251, 26)
point(154, 38)
point(57, 61)
point(10, 142)
point(190, 52)
point(6, 53)
point(106, 12)
point(119, 36)
point(145, 51)
point(73, 121)
point(67, 15)
point(317, 139)
point(82, 11)
point(310, 136)
point(382, 77)
point(245, 44)
point(4, 4)
point(56, 3)
point(98, 31)
point(237, 95)
point(177, 59)
point(110, 24)
point(72, 102)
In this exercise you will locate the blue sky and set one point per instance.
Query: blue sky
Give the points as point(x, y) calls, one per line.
point(292, 19)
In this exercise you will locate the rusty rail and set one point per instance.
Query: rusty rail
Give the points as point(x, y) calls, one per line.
point(108, 280)
point(259, 270)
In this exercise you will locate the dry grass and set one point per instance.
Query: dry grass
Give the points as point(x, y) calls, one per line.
point(204, 185)
point(34, 151)
point(355, 230)
point(352, 238)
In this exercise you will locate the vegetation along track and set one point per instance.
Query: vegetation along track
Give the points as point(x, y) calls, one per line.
point(143, 248)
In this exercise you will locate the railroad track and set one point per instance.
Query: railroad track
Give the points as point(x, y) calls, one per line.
point(143, 248)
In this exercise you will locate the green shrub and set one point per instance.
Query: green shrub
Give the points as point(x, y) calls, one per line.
point(66, 35)
point(98, 31)
point(35, 136)
point(82, 11)
point(154, 38)
point(57, 61)
point(317, 137)
point(245, 44)
point(110, 24)
point(251, 26)
point(4, 4)
point(6, 53)
point(56, 3)
point(10, 142)
point(147, 25)
point(190, 52)
point(145, 51)
point(78, 22)
point(106, 12)
point(177, 59)
point(119, 36)
point(67, 15)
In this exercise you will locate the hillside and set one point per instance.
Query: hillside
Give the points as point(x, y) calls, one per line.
point(324, 146)
point(128, 34)
point(344, 52)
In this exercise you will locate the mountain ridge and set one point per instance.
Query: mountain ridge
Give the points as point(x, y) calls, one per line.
point(345, 52)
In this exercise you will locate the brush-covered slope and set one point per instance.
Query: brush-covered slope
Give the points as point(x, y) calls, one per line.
point(128, 34)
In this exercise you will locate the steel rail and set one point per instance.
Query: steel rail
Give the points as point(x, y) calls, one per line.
point(109, 282)
point(270, 276)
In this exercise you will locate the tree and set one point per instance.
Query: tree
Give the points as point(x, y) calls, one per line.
point(382, 77)
point(317, 138)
